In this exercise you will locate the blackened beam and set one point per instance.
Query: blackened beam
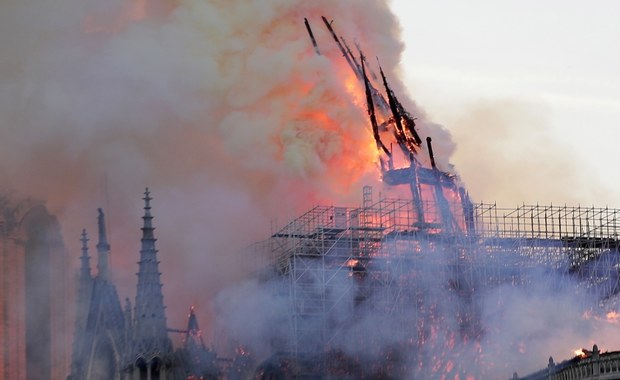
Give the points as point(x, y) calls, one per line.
point(400, 115)
point(406, 143)
point(359, 50)
point(342, 50)
point(355, 66)
point(316, 47)
point(371, 113)
point(378, 98)
point(409, 123)
point(430, 152)
point(351, 56)
point(376, 95)
point(408, 120)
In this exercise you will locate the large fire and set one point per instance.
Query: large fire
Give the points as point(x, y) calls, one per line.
point(228, 108)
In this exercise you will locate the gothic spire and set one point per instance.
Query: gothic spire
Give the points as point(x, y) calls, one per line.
point(103, 247)
point(84, 290)
point(193, 335)
point(85, 258)
point(150, 317)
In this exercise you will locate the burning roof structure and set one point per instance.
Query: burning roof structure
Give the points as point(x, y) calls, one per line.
point(396, 288)
point(390, 121)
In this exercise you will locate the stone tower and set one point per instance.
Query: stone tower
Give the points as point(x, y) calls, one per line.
point(114, 343)
point(100, 329)
point(152, 353)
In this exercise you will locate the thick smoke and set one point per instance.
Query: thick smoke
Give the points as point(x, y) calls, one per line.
point(520, 132)
point(499, 313)
point(220, 107)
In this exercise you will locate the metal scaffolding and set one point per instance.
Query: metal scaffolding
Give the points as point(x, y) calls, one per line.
point(335, 261)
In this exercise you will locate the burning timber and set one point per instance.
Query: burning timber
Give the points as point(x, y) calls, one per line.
point(390, 121)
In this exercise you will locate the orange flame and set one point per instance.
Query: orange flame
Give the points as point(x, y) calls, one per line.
point(613, 317)
point(580, 353)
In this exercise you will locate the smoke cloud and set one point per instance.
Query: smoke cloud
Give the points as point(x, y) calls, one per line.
point(222, 108)
point(507, 154)
point(517, 313)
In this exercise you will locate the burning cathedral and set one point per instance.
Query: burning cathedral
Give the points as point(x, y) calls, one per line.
point(391, 289)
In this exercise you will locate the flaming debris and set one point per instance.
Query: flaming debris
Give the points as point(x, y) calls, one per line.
point(390, 121)
point(582, 353)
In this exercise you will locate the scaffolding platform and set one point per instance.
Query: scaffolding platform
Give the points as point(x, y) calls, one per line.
point(335, 260)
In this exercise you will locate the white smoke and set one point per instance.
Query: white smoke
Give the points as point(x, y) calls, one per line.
point(419, 317)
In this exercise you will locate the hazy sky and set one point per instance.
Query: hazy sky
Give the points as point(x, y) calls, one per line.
point(529, 89)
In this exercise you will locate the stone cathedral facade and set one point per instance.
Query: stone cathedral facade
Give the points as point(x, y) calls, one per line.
point(115, 341)
point(34, 323)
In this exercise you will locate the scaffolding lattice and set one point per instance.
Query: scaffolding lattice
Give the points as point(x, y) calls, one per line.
point(336, 259)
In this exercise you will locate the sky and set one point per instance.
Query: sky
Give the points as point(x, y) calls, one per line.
point(530, 91)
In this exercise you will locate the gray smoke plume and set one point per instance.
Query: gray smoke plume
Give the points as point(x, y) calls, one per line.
point(222, 108)
point(415, 318)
